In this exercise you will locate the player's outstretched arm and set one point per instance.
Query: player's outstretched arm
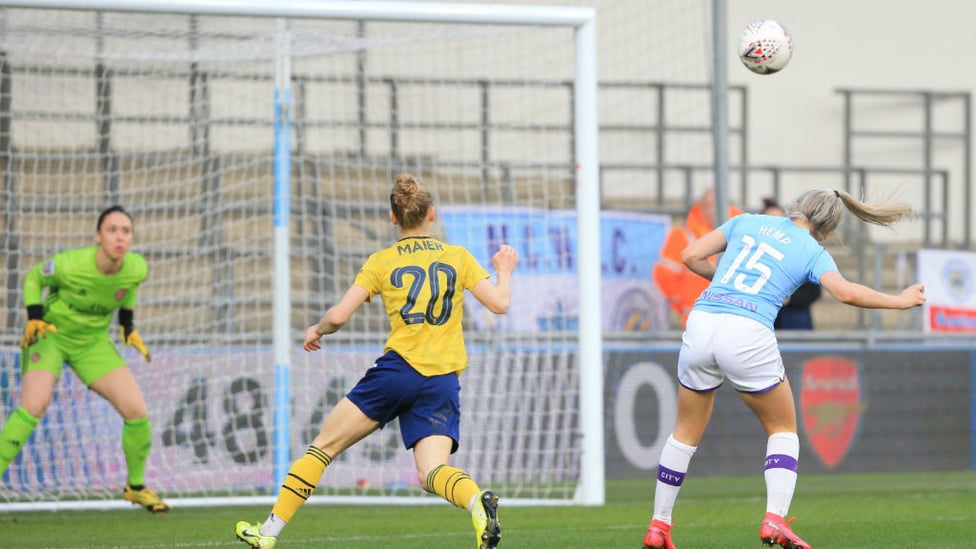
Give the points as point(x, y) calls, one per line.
point(860, 295)
point(335, 318)
point(497, 297)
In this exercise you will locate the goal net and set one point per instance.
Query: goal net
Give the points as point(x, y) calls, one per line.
point(186, 120)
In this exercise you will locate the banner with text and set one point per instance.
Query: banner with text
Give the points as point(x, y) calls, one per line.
point(851, 407)
point(546, 295)
point(213, 423)
point(949, 281)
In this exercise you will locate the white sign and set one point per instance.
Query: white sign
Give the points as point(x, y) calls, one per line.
point(949, 289)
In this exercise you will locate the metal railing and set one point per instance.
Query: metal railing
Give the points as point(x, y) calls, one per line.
point(930, 137)
point(654, 174)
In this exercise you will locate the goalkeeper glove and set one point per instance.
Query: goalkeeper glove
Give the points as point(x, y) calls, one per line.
point(34, 329)
point(132, 339)
point(36, 326)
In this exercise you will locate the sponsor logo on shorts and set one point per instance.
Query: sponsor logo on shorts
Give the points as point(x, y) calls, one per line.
point(120, 294)
point(35, 357)
point(830, 402)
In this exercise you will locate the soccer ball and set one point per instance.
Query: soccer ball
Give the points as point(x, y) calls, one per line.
point(765, 47)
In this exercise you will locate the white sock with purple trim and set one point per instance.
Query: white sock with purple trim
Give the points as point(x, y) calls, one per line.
point(675, 458)
point(782, 456)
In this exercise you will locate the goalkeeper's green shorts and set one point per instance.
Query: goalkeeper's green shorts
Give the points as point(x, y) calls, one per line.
point(90, 357)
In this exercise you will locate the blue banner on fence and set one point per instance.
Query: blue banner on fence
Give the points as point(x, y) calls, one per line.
point(545, 295)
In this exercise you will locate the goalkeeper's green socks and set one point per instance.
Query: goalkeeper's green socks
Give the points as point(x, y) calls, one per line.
point(14, 436)
point(136, 439)
point(299, 484)
point(452, 484)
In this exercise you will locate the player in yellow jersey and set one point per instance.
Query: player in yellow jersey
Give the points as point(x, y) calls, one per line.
point(422, 282)
point(69, 325)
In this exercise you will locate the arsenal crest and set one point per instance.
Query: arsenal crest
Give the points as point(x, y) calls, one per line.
point(120, 294)
point(830, 403)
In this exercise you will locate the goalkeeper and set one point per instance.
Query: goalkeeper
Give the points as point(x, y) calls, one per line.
point(422, 282)
point(84, 287)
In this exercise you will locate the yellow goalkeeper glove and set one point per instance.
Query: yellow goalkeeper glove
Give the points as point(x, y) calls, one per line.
point(132, 339)
point(34, 329)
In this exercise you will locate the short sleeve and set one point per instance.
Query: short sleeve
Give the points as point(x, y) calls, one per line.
point(369, 277)
point(822, 263)
point(473, 271)
point(729, 226)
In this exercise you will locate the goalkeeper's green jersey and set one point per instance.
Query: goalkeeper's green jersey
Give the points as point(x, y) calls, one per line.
point(80, 299)
point(422, 282)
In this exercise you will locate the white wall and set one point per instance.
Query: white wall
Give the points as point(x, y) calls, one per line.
point(865, 44)
point(796, 115)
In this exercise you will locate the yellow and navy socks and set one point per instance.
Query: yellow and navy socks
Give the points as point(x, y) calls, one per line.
point(452, 484)
point(299, 484)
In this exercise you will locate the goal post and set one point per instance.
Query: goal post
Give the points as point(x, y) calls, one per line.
point(487, 144)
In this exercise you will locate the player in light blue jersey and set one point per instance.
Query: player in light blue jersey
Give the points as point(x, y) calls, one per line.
point(729, 335)
point(765, 259)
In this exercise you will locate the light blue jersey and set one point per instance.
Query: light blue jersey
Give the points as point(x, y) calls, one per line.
point(767, 258)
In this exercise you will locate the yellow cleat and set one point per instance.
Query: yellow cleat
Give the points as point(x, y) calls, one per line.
point(147, 498)
point(484, 516)
point(251, 535)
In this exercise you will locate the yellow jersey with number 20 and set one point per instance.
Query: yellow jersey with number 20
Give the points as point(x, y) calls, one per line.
point(422, 282)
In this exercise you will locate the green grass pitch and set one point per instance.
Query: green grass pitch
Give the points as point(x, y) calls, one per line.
point(833, 512)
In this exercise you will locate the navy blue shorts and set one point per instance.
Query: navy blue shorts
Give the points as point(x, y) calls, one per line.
point(426, 406)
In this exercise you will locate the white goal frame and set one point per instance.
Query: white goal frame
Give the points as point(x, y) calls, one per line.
point(591, 489)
